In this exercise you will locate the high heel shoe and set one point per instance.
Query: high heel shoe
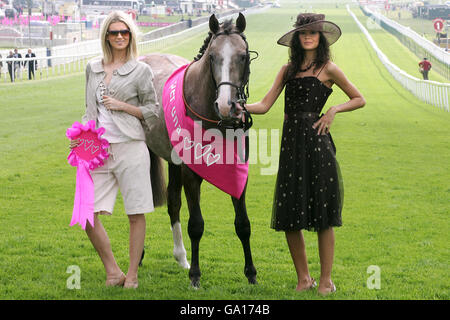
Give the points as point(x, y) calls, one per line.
point(312, 286)
point(333, 290)
point(131, 284)
point(116, 282)
point(313, 283)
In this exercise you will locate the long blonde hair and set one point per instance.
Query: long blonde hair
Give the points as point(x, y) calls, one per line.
point(119, 16)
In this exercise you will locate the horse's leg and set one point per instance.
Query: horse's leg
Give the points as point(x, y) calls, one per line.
point(192, 183)
point(243, 231)
point(173, 207)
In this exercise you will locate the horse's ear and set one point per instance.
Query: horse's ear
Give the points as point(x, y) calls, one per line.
point(240, 23)
point(213, 24)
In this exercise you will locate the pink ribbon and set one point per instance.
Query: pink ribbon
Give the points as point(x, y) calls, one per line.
point(83, 204)
point(86, 157)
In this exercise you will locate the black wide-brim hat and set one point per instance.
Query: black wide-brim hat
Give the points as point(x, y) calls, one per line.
point(312, 22)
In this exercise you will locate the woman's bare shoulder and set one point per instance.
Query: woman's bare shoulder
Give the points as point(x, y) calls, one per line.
point(331, 67)
point(334, 72)
point(284, 68)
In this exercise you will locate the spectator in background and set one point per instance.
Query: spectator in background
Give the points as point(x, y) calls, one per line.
point(10, 66)
point(17, 64)
point(32, 64)
point(424, 68)
point(1, 65)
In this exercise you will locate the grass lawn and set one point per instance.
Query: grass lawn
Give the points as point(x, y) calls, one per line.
point(393, 154)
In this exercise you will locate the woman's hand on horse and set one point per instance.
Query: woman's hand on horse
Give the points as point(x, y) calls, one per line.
point(112, 104)
point(324, 123)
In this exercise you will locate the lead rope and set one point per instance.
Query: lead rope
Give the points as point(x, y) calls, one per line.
point(248, 121)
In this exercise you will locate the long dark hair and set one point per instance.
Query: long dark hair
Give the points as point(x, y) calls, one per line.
point(297, 55)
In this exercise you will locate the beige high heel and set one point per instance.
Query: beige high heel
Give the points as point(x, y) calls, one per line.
point(333, 290)
point(131, 284)
point(116, 282)
point(312, 286)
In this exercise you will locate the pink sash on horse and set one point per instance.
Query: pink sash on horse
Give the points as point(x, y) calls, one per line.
point(206, 152)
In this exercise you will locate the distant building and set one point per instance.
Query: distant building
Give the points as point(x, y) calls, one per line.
point(193, 6)
point(431, 12)
point(103, 7)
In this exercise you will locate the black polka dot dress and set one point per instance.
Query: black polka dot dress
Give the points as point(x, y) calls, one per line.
point(309, 189)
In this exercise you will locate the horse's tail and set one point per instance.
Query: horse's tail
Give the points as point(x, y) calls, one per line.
point(158, 179)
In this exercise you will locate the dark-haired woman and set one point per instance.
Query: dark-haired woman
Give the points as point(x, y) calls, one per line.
point(308, 191)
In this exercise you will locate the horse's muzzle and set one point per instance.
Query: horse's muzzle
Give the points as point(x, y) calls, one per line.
point(240, 119)
point(231, 115)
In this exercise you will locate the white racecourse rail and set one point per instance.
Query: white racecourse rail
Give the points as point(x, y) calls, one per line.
point(427, 45)
point(74, 57)
point(431, 92)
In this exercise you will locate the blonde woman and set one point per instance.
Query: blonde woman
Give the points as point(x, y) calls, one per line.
point(119, 94)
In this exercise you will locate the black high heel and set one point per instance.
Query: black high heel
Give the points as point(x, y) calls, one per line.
point(142, 257)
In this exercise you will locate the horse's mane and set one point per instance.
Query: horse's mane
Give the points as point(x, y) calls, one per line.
point(227, 28)
point(203, 48)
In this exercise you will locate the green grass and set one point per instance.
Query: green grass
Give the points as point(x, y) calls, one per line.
point(393, 155)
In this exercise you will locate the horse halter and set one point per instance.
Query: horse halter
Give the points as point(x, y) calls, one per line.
point(241, 91)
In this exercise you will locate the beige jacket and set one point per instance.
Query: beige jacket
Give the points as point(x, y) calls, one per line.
point(132, 83)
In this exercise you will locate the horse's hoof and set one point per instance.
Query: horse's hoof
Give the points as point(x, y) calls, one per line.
point(250, 273)
point(195, 283)
point(184, 264)
point(182, 261)
point(194, 276)
point(252, 280)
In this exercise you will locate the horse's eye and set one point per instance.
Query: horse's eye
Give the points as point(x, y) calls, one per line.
point(211, 57)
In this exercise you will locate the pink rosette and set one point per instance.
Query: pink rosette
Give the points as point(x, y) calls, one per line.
point(90, 153)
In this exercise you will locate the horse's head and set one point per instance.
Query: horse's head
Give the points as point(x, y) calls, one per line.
point(229, 63)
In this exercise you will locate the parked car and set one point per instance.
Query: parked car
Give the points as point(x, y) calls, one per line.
point(10, 12)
